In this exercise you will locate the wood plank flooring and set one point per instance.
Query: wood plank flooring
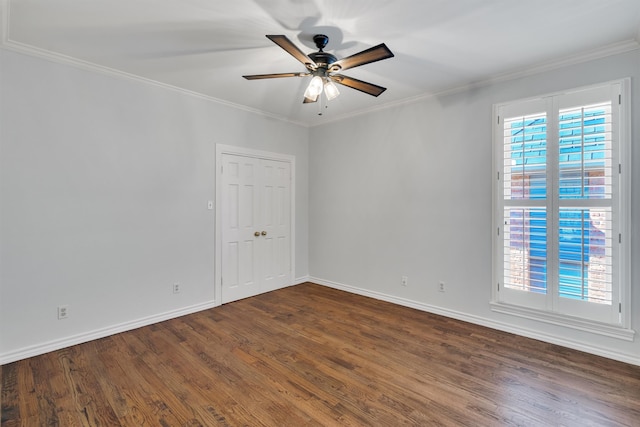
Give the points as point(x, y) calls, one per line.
point(311, 355)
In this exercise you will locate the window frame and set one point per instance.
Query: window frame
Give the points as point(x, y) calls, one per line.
point(543, 311)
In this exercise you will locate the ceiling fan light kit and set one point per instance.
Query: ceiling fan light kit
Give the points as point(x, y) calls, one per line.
point(323, 67)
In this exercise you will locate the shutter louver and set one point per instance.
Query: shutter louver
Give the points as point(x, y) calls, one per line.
point(525, 157)
point(585, 152)
point(525, 249)
point(585, 254)
point(585, 178)
point(524, 180)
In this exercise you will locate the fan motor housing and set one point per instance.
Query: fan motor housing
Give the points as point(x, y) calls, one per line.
point(323, 59)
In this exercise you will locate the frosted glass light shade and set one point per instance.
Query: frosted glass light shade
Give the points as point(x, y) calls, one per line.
point(330, 89)
point(314, 89)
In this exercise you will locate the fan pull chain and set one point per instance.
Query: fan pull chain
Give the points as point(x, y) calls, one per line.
point(326, 106)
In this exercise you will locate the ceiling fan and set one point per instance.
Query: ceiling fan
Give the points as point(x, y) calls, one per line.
point(324, 68)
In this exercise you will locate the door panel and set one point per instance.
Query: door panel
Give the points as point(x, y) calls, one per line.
point(239, 214)
point(275, 197)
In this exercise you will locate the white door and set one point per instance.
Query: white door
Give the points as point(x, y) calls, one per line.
point(255, 226)
point(274, 217)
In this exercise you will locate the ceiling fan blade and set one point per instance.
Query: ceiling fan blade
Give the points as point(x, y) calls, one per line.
point(373, 54)
point(365, 87)
point(274, 76)
point(309, 100)
point(293, 50)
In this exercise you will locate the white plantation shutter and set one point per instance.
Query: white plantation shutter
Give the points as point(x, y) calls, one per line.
point(558, 204)
point(524, 264)
point(585, 175)
point(585, 152)
point(523, 193)
point(585, 255)
point(524, 160)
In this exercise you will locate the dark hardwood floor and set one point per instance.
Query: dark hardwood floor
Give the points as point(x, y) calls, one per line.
point(310, 355)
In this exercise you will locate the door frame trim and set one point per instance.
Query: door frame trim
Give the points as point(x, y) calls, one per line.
point(222, 149)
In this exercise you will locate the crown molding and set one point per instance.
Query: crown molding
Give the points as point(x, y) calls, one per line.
point(591, 55)
point(90, 66)
point(579, 58)
point(26, 49)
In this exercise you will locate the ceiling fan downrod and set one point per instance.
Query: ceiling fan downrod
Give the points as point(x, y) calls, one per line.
point(322, 59)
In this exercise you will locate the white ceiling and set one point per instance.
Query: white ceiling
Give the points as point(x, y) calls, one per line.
point(205, 46)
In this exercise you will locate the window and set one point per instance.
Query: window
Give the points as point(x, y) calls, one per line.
point(561, 201)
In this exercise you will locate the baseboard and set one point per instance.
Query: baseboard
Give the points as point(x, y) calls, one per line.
point(300, 280)
point(36, 350)
point(482, 321)
point(127, 326)
point(46, 347)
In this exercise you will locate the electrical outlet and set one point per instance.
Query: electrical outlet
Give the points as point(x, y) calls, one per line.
point(404, 280)
point(176, 288)
point(441, 287)
point(63, 312)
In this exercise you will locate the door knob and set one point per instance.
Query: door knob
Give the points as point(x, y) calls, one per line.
point(264, 233)
point(257, 234)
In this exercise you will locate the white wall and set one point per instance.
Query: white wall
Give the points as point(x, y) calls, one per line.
point(104, 190)
point(408, 191)
point(104, 183)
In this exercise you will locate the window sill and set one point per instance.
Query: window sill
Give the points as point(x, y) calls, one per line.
point(604, 329)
